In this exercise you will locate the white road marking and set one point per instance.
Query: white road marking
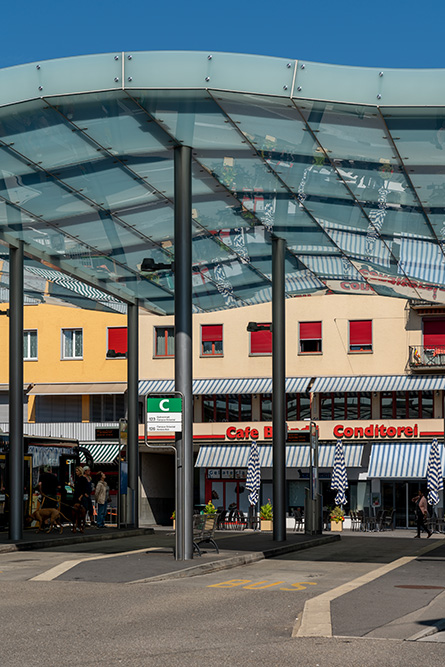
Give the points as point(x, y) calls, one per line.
point(56, 571)
point(316, 618)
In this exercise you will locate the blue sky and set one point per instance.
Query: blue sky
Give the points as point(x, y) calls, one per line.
point(375, 33)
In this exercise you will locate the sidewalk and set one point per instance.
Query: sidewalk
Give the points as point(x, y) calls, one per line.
point(235, 548)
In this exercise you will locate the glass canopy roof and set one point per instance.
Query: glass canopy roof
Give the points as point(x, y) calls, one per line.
point(346, 164)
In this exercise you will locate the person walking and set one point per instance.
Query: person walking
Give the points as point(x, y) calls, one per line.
point(48, 488)
point(101, 494)
point(421, 513)
point(89, 501)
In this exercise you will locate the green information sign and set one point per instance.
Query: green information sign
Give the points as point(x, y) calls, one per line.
point(164, 413)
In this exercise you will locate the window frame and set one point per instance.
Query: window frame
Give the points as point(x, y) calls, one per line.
point(213, 352)
point(316, 340)
point(117, 355)
point(75, 330)
point(28, 346)
point(364, 348)
point(251, 333)
point(165, 328)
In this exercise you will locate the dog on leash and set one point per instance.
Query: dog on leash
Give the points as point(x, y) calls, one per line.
point(79, 514)
point(44, 514)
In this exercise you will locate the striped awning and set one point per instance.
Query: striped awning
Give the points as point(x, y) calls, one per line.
point(225, 386)
point(401, 460)
point(103, 453)
point(378, 383)
point(237, 456)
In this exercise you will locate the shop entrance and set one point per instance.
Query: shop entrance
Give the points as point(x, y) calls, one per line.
point(397, 496)
point(227, 494)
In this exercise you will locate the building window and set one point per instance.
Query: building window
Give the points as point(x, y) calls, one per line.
point(227, 408)
point(117, 342)
point(164, 341)
point(54, 409)
point(107, 407)
point(72, 344)
point(341, 406)
point(298, 407)
point(310, 337)
point(212, 340)
point(29, 345)
point(406, 405)
point(360, 336)
point(434, 333)
point(261, 341)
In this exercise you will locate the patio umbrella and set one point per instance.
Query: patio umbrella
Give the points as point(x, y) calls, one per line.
point(253, 480)
point(339, 479)
point(434, 477)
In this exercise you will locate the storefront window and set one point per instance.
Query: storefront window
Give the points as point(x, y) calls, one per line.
point(427, 405)
point(266, 407)
point(326, 407)
point(225, 408)
point(386, 405)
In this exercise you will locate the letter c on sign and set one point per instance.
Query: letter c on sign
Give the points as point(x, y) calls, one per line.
point(161, 404)
point(338, 431)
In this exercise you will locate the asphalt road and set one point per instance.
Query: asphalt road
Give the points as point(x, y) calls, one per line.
point(91, 615)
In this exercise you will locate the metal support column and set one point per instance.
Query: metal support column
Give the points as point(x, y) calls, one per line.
point(132, 413)
point(279, 390)
point(183, 350)
point(16, 446)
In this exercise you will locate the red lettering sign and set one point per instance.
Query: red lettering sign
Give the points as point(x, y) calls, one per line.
point(375, 431)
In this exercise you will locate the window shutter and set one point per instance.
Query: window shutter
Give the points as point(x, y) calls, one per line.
point(117, 339)
point(310, 330)
point(360, 332)
point(261, 342)
point(211, 332)
point(434, 333)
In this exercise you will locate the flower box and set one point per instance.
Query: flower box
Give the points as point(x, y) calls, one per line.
point(266, 524)
point(337, 526)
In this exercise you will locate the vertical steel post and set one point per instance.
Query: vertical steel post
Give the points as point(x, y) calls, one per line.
point(16, 446)
point(132, 414)
point(278, 390)
point(183, 349)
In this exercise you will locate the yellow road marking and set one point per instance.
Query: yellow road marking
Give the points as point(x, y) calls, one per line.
point(260, 585)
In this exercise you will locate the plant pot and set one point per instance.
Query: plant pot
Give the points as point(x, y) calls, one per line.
point(266, 524)
point(174, 524)
point(337, 526)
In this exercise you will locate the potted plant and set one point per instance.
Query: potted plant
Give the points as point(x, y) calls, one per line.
point(266, 516)
point(337, 517)
point(210, 508)
point(173, 517)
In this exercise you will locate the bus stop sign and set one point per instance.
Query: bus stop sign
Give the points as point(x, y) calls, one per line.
point(164, 414)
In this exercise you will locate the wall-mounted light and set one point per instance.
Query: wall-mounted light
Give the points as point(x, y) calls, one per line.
point(254, 326)
point(149, 265)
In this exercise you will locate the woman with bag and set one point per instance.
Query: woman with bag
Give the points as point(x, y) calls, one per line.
point(101, 494)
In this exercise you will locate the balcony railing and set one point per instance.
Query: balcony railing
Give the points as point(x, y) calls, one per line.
point(422, 357)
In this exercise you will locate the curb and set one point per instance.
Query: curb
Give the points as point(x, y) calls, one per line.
point(78, 539)
point(427, 632)
point(236, 561)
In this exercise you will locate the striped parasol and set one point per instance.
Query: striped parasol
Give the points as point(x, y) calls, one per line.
point(253, 480)
point(434, 477)
point(339, 479)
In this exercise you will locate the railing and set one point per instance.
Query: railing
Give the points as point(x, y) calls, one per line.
point(421, 356)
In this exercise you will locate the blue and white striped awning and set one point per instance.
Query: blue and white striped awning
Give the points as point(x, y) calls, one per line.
point(103, 453)
point(237, 456)
point(378, 383)
point(404, 460)
point(225, 386)
point(422, 259)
